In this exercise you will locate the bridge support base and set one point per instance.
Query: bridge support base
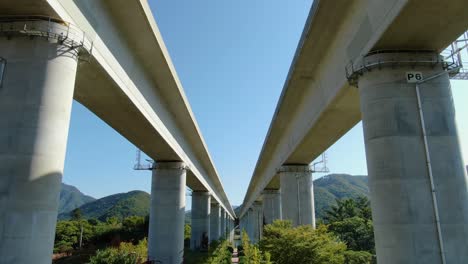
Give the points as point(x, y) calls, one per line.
point(418, 186)
point(167, 213)
point(200, 236)
point(297, 194)
point(35, 105)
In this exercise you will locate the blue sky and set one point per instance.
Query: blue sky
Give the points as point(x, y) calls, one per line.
point(232, 58)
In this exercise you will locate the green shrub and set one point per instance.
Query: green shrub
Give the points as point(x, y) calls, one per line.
point(250, 253)
point(221, 255)
point(126, 253)
point(303, 244)
point(357, 257)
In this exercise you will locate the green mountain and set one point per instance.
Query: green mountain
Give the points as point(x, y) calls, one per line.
point(326, 190)
point(337, 186)
point(119, 205)
point(71, 198)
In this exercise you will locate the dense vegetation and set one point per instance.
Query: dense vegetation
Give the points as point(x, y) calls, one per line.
point(219, 252)
point(250, 254)
point(125, 253)
point(113, 229)
point(121, 205)
point(120, 242)
point(95, 234)
point(302, 244)
point(344, 237)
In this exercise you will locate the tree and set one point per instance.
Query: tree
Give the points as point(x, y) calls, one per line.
point(356, 232)
point(302, 244)
point(76, 214)
point(351, 221)
point(221, 255)
point(251, 253)
point(358, 257)
point(363, 204)
point(113, 221)
point(343, 209)
point(187, 231)
point(68, 234)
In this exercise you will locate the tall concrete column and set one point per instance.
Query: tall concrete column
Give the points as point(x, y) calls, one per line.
point(249, 221)
point(405, 206)
point(226, 231)
point(227, 228)
point(297, 194)
point(167, 212)
point(35, 106)
point(215, 222)
point(257, 222)
point(242, 223)
point(271, 205)
point(223, 223)
point(231, 230)
point(200, 220)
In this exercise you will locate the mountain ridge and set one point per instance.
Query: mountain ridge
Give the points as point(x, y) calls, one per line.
point(71, 198)
point(120, 205)
point(327, 190)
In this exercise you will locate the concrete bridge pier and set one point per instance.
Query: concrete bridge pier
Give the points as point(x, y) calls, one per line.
point(200, 220)
point(223, 223)
point(233, 229)
point(243, 224)
point(226, 223)
point(271, 205)
point(297, 194)
point(249, 223)
point(257, 221)
point(228, 227)
point(230, 230)
point(418, 186)
point(215, 222)
point(35, 104)
point(167, 212)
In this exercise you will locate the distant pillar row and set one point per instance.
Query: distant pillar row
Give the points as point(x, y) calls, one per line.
point(401, 166)
point(200, 236)
point(167, 213)
point(35, 105)
point(297, 194)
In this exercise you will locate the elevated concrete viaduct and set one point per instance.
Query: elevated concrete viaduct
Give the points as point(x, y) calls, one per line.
point(109, 56)
point(351, 65)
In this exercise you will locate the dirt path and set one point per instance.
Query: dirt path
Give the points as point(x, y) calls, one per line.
point(235, 257)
